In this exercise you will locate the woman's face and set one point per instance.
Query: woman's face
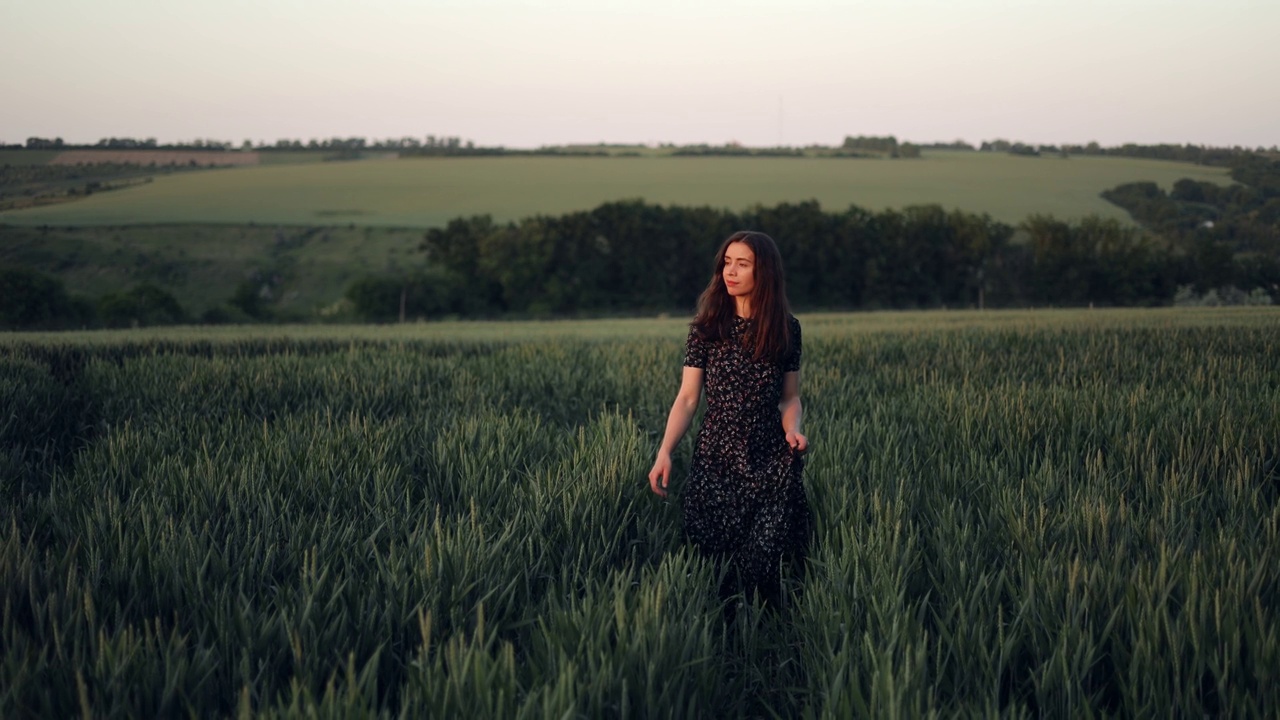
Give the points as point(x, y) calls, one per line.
point(739, 269)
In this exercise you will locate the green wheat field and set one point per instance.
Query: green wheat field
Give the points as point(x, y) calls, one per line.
point(1024, 514)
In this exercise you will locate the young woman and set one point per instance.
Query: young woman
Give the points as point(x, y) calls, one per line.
point(744, 501)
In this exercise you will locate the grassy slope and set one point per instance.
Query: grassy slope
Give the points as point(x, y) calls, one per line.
point(429, 192)
point(202, 265)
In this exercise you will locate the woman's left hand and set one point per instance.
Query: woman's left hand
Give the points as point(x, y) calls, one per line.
point(798, 442)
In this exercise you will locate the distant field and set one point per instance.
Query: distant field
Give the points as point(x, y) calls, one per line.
point(430, 191)
point(291, 157)
point(157, 157)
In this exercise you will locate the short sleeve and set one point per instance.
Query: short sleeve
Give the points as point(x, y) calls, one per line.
point(695, 350)
point(793, 355)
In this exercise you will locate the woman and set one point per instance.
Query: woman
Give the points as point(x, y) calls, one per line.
point(744, 501)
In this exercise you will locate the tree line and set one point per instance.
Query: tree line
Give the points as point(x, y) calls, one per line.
point(283, 144)
point(125, 143)
point(852, 146)
point(627, 257)
point(1195, 154)
point(886, 145)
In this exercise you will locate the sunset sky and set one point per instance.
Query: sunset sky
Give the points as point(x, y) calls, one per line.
point(528, 73)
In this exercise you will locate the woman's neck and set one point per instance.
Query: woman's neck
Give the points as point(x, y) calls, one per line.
point(743, 306)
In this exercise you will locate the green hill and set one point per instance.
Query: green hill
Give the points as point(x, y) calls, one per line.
point(427, 192)
point(305, 269)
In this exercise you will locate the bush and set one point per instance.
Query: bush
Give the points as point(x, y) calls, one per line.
point(31, 300)
point(223, 315)
point(140, 306)
point(1186, 296)
point(378, 297)
point(248, 299)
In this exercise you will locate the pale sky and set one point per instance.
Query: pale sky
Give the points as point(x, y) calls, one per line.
point(524, 73)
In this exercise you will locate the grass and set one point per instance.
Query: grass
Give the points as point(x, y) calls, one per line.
point(430, 191)
point(1068, 513)
point(291, 157)
point(202, 265)
point(840, 324)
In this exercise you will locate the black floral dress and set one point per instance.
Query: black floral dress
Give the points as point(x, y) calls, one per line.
point(745, 500)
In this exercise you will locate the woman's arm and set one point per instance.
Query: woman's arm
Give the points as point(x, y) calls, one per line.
point(677, 425)
point(792, 411)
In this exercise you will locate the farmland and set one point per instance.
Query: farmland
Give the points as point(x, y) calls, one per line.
point(156, 157)
point(1027, 513)
point(428, 192)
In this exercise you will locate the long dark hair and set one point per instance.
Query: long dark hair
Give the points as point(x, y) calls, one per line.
point(771, 336)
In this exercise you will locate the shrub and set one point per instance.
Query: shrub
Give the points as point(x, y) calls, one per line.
point(33, 300)
point(142, 305)
point(248, 298)
point(1186, 296)
point(379, 297)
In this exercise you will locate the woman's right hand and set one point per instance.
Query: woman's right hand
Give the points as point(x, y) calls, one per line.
point(660, 474)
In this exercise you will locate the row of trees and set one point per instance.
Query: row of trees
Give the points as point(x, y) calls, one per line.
point(1198, 154)
point(326, 144)
point(860, 145)
point(886, 145)
point(735, 149)
point(634, 256)
point(127, 143)
point(406, 143)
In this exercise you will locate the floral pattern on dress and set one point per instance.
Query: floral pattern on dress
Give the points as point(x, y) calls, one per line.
point(744, 500)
